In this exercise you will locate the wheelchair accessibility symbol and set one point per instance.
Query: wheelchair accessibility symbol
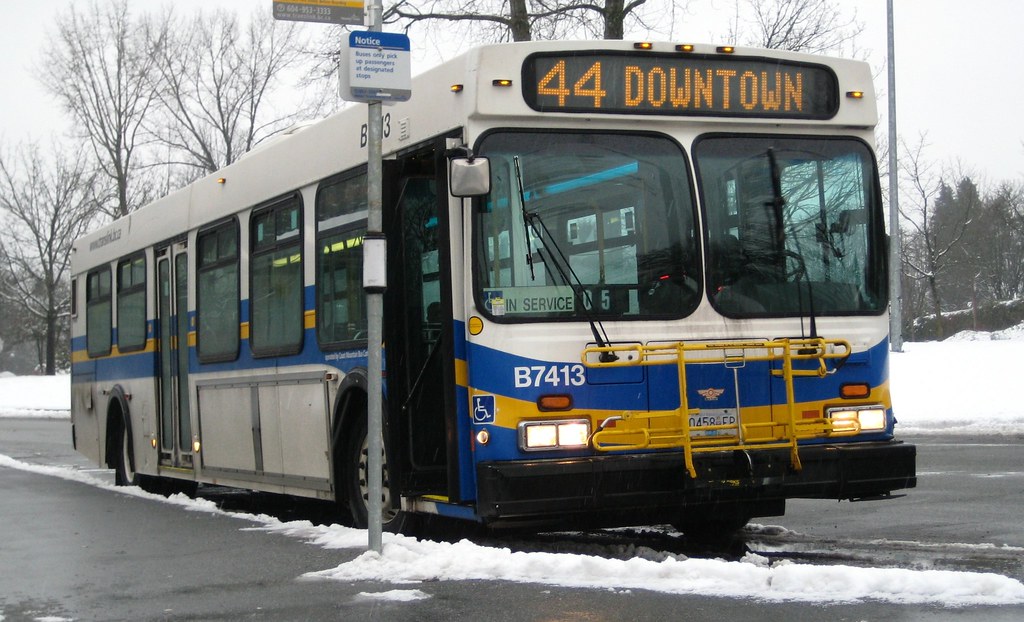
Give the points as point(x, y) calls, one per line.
point(483, 409)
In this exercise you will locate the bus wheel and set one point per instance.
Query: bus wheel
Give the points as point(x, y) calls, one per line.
point(357, 483)
point(124, 474)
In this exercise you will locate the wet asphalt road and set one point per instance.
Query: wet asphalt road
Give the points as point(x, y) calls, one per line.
point(73, 551)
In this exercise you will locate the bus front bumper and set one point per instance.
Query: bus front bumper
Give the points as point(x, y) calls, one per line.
point(655, 487)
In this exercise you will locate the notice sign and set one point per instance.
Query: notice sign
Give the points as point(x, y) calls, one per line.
point(379, 68)
point(321, 11)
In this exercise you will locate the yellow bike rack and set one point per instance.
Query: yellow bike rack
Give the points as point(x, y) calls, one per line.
point(672, 429)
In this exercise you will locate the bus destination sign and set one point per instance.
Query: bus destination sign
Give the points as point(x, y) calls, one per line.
point(697, 85)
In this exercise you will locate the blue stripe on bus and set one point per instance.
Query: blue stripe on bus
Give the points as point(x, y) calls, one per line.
point(496, 372)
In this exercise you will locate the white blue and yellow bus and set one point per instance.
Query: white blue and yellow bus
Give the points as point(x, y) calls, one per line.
point(628, 283)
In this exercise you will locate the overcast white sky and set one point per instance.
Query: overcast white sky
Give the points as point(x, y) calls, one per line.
point(960, 70)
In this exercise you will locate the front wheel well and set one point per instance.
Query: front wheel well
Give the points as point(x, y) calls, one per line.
point(349, 411)
point(117, 417)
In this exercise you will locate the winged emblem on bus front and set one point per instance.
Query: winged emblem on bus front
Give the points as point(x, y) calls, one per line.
point(710, 394)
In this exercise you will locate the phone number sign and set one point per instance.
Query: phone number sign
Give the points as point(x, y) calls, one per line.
point(321, 11)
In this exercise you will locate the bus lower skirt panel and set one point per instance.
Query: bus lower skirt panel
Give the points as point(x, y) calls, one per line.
point(654, 487)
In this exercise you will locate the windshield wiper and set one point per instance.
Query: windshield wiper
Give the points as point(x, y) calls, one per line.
point(560, 264)
point(778, 201)
point(526, 218)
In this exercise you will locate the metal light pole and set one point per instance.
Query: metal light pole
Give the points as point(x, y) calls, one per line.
point(895, 254)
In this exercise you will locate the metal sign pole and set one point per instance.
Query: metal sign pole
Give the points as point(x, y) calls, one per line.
point(895, 237)
point(374, 308)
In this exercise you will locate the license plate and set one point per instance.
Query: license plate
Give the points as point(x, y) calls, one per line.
point(713, 417)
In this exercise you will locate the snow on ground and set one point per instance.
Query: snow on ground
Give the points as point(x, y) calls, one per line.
point(960, 385)
point(35, 396)
point(956, 386)
point(413, 563)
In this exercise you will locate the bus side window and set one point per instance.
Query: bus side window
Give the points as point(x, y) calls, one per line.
point(98, 312)
point(218, 293)
point(275, 295)
point(340, 226)
point(341, 303)
point(131, 304)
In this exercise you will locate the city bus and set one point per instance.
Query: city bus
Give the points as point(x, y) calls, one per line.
point(627, 283)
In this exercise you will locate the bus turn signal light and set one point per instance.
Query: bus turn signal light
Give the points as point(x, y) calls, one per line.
point(554, 402)
point(855, 390)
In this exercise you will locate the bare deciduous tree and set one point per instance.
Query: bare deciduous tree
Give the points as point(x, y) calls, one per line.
point(813, 26)
point(45, 205)
point(97, 65)
point(524, 20)
point(214, 79)
point(931, 249)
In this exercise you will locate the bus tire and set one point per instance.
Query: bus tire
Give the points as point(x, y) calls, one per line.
point(124, 471)
point(357, 484)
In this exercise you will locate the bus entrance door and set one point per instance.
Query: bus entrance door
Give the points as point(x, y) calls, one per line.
point(173, 326)
point(418, 328)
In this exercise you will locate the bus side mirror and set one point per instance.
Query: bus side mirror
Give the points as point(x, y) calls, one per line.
point(469, 176)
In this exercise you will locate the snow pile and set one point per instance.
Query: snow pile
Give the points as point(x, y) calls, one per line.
point(407, 560)
point(401, 596)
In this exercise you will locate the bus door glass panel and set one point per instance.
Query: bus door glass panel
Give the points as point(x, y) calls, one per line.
point(182, 338)
point(604, 228)
point(173, 320)
point(421, 274)
point(794, 226)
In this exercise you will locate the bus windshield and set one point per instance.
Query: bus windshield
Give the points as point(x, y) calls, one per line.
point(579, 226)
point(794, 226)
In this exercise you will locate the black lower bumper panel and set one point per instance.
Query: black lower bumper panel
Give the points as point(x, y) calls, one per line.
point(656, 486)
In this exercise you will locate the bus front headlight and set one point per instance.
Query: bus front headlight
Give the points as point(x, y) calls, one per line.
point(547, 435)
point(859, 419)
